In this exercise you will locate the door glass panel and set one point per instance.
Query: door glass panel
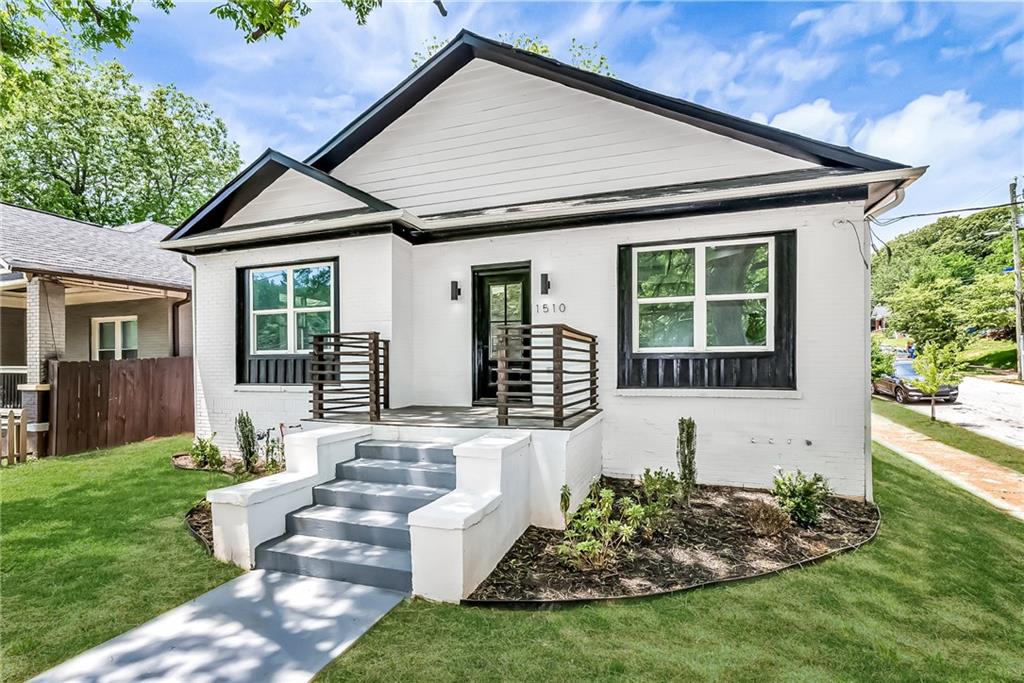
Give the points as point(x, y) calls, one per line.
point(514, 302)
point(106, 340)
point(129, 335)
point(497, 299)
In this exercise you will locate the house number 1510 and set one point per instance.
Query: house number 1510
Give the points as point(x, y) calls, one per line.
point(551, 308)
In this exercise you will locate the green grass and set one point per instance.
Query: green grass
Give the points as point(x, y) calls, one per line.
point(952, 435)
point(93, 545)
point(895, 342)
point(938, 596)
point(991, 353)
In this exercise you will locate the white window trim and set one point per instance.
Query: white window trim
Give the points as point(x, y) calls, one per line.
point(290, 310)
point(700, 298)
point(118, 349)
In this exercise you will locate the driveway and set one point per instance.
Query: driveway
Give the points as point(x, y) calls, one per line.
point(986, 406)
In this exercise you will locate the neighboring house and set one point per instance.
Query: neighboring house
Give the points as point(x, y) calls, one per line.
point(72, 290)
point(719, 262)
point(879, 318)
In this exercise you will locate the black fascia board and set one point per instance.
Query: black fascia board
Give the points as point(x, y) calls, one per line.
point(467, 45)
point(250, 182)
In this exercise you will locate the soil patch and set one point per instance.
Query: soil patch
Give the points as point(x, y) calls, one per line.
point(200, 522)
point(710, 541)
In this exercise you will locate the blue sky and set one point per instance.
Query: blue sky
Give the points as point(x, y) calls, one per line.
point(938, 84)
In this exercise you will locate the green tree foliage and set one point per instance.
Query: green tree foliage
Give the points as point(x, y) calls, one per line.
point(881, 361)
point(26, 37)
point(937, 366)
point(945, 277)
point(87, 142)
point(586, 56)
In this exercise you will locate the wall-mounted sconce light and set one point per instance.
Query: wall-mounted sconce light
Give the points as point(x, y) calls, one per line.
point(545, 283)
point(456, 290)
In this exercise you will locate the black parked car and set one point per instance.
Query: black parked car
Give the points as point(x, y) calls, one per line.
point(898, 385)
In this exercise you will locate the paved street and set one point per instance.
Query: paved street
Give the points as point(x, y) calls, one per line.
point(986, 406)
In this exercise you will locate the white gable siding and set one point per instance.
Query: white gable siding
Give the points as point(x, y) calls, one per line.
point(492, 135)
point(292, 195)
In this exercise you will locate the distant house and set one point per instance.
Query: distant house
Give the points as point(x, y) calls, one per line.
point(72, 290)
point(879, 318)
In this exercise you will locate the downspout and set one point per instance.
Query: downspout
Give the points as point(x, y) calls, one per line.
point(177, 305)
point(176, 324)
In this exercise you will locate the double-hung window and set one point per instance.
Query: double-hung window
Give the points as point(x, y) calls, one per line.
point(288, 305)
point(115, 338)
point(704, 296)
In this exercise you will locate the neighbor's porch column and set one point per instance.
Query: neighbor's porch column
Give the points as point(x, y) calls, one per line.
point(44, 340)
point(44, 326)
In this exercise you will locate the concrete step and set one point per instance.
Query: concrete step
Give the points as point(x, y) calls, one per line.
point(375, 496)
point(325, 558)
point(408, 451)
point(376, 527)
point(439, 475)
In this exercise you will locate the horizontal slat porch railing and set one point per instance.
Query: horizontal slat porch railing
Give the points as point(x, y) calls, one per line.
point(350, 372)
point(541, 366)
point(10, 378)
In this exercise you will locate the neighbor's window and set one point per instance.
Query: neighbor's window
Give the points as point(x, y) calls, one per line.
point(115, 338)
point(288, 305)
point(704, 296)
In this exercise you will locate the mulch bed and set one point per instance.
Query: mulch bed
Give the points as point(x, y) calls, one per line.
point(200, 522)
point(710, 541)
point(183, 461)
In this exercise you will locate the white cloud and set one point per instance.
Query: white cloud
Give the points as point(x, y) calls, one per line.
point(1013, 54)
point(969, 149)
point(923, 23)
point(850, 21)
point(889, 68)
point(817, 120)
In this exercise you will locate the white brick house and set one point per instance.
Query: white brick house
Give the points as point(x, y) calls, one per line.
point(719, 263)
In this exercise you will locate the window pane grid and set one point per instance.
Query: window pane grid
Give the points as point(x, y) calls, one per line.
point(288, 329)
point(740, 271)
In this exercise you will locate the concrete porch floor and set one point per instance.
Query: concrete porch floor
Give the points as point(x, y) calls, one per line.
point(480, 417)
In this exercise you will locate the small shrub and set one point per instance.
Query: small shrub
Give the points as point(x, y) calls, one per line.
point(205, 453)
point(595, 534)
point(273, 455)
point(564, 501)
point(766, 519)
point(245, 433)
point(686, 455)
point(658, 486)
point(800, 496)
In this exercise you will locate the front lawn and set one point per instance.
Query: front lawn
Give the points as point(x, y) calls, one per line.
point(938, 596)
point(991, 354)
point(952, 435)
point(94, 545)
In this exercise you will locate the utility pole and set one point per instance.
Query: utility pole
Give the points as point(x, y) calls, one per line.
point(1018, 291)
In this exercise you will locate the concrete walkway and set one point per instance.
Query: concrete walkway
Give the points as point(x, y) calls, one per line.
point(262, 626)
point(1000, 486)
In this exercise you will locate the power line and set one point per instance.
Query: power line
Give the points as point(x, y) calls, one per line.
point(890, 221)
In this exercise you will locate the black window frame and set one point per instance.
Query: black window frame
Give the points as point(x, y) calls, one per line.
point(273, 368)
point(732, 369)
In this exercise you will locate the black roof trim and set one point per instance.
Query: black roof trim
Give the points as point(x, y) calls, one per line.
point(252, 180)
point(467, 45)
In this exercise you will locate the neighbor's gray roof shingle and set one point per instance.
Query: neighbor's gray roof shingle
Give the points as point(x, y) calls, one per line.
point(38, 241)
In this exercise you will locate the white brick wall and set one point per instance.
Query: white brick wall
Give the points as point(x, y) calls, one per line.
point(44, 326)
point(390, 286)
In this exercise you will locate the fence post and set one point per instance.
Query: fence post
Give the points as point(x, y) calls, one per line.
point(374, 378)
point(22, 441)
point(558, 375)
point(318, 379)
point(502, 397)
point(11, 437)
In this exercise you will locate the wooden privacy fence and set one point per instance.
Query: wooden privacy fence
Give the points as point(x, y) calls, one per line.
point(551, 369)
point(98, 404)
point(14, 441)
point(350, 373)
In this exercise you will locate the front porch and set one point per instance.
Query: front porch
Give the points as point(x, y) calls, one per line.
point(478, 417)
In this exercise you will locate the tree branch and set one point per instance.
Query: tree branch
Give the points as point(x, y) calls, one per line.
point(261, 30)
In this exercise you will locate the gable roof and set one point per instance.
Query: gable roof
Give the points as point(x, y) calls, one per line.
point(259, 176)
point(40, 242)
point(467, 46)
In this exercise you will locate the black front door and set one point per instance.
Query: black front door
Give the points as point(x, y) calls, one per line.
point(501, 296)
